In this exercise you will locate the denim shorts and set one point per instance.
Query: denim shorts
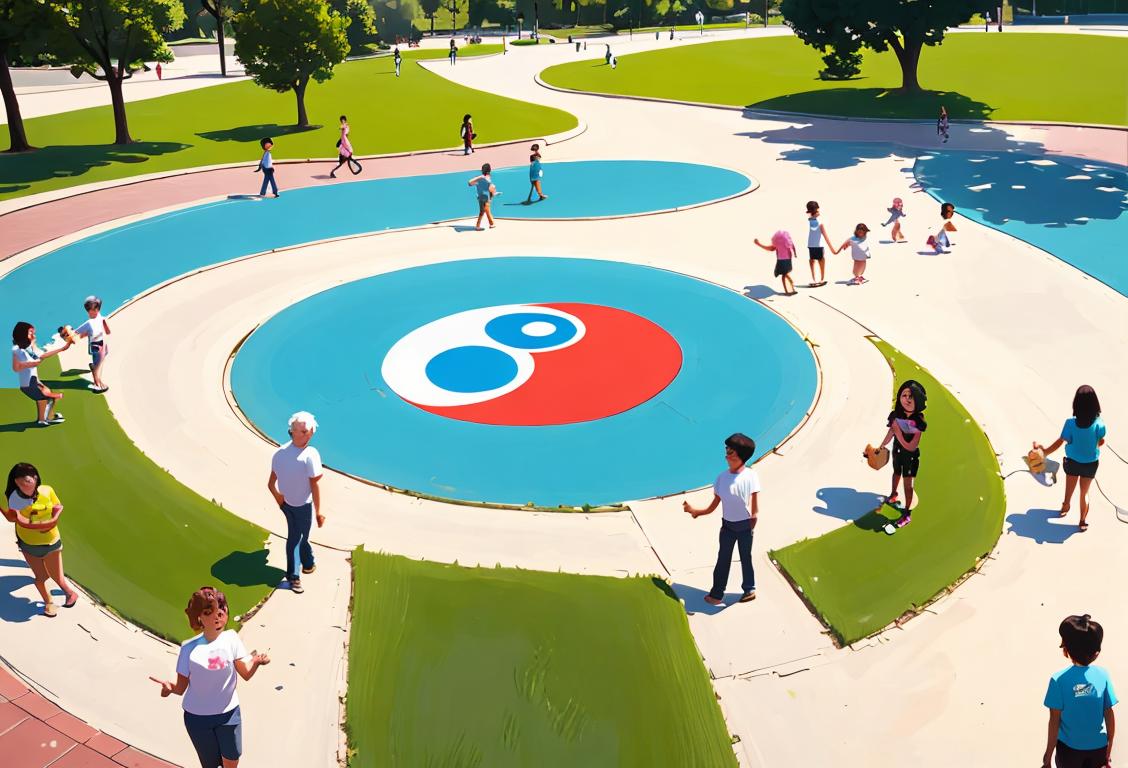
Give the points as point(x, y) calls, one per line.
point(98, 352)
point(33, 391)
point(38, 550)
point(216, 736)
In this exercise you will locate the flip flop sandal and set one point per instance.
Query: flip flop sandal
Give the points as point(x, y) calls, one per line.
point(1082, 527)
point(49, 610)
point(72, 601)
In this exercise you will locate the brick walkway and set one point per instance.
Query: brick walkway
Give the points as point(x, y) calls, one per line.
point(34, 733)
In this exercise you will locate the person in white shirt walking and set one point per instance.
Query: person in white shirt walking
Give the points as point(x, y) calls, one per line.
point(735, 491)
point(295, 472)
point(96, 329)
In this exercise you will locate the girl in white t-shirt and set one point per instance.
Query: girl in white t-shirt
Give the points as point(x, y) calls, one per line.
point(859, 252)
point(96, 329)
point(205, 677)
point(26, 357)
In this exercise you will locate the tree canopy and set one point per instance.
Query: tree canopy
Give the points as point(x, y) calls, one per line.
point(26, 28)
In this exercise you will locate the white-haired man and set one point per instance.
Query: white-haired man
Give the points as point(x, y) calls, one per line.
point(295, 472)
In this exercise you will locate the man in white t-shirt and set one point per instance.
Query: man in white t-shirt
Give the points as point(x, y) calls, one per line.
point(735, 491)
point(295, 472)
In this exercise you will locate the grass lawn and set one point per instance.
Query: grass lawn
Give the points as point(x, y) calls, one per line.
point(223, 124)
point(999, 77)
point(858, 578)
point(132, 535)
point(454, 666)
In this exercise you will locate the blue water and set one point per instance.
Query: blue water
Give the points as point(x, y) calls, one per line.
point(743, 369)
point(125, 262)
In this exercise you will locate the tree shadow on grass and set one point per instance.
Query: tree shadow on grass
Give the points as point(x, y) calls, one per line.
point(19, 171)
point(246, 569)
point(254, 133)
point(879, 103)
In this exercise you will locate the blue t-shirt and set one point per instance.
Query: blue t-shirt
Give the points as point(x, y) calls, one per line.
point(483, 187)
point(1081, 444)
point(1082, 694)
point(267, 161)
point(535, 170)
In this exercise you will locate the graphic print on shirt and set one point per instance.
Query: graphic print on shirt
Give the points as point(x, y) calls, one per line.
point(1083, 689)
point(217, 662)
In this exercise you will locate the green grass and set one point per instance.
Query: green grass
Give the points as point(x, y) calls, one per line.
point(132, 535)
point(857, 578)
point(453, 666)
point(223, 124)
point(998, 77)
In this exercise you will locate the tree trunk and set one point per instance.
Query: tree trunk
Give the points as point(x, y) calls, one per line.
point(908, 55)
point(16, 135)
point(219, 36)
point(432, 25)
point(299, 91)
point(121, 124)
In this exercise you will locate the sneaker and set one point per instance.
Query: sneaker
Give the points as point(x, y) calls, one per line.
point(311, 569)
point(713, 601)
point(43, 423)
point(904, 520)
point(56, 419)
point(296, 586)
point(748, 597)
point(893, 500)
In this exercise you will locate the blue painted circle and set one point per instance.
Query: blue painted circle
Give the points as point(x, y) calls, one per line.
point(510, 330)
point(471, 369)
point(744, 369)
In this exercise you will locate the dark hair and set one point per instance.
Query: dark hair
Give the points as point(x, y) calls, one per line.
point(742, 445)
point(920, 397)
point(344, 118)
point(264, 141)
point(486, 169)
point(465, 118)
point(203, 599)
point(1081, 638)
point(22, 470)
point(945, 207)
point(535, 148)
point(1086, 406)
point(91, 303)
point(21, 335)
point(812, 206)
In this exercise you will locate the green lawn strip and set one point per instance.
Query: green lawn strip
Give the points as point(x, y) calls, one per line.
point(223, 124)
point(132, 535)
point(857, 578)
point(998, 77)
point(455, 666)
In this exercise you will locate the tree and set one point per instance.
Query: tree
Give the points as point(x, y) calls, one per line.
point(285, 43)
point(362, 21)
point(25, 27)
point(906, 26)
point(111, 39)
point(223, 11)
point(430, 8)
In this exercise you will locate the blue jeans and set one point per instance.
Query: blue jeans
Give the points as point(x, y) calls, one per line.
point(268, 178)
point(216, 737)
point(738, 535)
point(298, 522)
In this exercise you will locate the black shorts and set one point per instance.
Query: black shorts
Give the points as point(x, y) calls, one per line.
point(905, 463)
point(33, 391)
point(1068, 757)
point(1080, 468)
point(783, 267)
point(816, 252)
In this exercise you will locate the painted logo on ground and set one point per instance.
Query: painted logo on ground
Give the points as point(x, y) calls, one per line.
point(533, 364)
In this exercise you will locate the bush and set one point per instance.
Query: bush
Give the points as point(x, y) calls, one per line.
point(841, 65)
point(524, 41)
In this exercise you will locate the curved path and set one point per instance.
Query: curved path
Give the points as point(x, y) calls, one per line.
point(989, 320)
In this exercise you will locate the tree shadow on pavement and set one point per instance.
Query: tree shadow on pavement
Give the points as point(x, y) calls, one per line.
point(18, 171)
point(879, 103)
point(246, 569)
point(254, 133)
point(846, 503)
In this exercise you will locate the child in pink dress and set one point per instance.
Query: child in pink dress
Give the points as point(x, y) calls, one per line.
point(345, 151)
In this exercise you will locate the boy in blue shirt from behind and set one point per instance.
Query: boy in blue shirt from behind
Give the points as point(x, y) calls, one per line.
point(1080, 699)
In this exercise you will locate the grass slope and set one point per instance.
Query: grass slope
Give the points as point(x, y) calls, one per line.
point(132, 535)
point(223, 124)
point(857, 578)
point(999, 77)
point(454, 666)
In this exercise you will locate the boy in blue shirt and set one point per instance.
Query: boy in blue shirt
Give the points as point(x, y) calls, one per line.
point(1080, 699)
point(266, 166)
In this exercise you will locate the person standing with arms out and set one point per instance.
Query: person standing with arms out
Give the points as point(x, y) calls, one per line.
point(266, 165)
point(345, 151)
point(535, 175)
point(398, 59)
point(205, 677)
point(735, 490)
point(468, 135)
point(35, 509)
point(295, 476)
point(26, 357)
point(1083, 436)
point(1080, 698)
point(816, 236)
point(96, 329)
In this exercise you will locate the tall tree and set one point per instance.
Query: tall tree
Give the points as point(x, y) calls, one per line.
point(362, 22)
point(111, 39)
point(430, 8)
point(25, 29)
point(223, 11)
point(906, 26)
point(285, 43)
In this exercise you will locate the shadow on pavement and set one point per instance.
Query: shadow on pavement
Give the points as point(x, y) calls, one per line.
point(1042, 525)
point(846, 503)
point(246, 569)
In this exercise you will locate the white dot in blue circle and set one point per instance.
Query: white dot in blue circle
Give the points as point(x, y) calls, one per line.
point(471, 369)
point(530, 330)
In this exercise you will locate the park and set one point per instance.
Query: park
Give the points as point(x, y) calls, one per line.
point(405, 344)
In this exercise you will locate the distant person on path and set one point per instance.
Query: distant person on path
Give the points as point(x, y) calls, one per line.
point(159, 70)
point(453, 52)
point(942, 124)
point(205, 677)
point(816, 236)
point(398, 59)
point(486, 192)
point(466, 132)
point(96, 329)
point(345, 151)
point(35, 509)
point(1080, 699)
point(940, 240)
point(784, 250)
point(607, 55)
point(535, 175)
point(614, 63)
point(906, 426)
point(26, 357)
point(266, 165)
point(859, 252)
point(1083, 436)
point(295, 475)
point(896, 213)
point(735, 491)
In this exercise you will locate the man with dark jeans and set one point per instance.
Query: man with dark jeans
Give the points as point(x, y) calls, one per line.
point(735, 492)
point(295, 472)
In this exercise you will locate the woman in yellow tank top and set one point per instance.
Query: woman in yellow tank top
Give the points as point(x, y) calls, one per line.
point(35, 509)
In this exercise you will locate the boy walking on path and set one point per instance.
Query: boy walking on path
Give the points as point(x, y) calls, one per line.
point(295, 472)
point(735, 491)
point(266, 165)
point(1080, 699)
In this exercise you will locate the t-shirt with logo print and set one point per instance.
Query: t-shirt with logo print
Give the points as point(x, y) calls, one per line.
point(1082, 694)
point(210, 669)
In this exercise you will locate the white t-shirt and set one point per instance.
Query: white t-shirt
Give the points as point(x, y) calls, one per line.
point(735, 493)
point(859, 249)
point(295, 467)
point(95, 328)
point(210, 669)
point(23, 356)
